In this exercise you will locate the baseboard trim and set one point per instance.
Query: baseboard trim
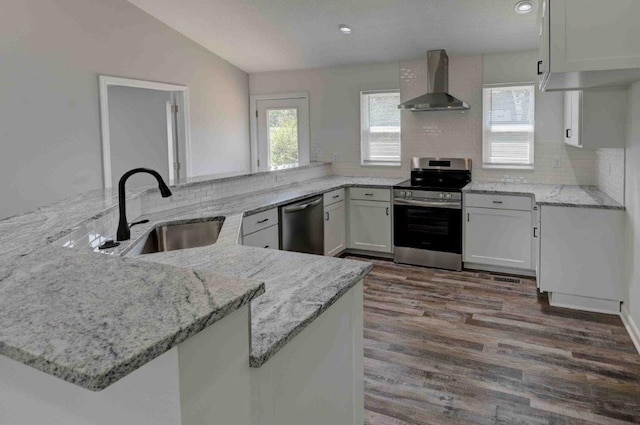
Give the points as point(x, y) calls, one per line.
point(632, 327)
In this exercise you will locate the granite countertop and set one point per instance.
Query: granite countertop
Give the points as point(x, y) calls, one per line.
point(298, 287)
point(550, 194)
point(91, 319)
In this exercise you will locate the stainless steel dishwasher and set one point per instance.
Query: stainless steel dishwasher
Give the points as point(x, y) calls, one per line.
point(302, 226)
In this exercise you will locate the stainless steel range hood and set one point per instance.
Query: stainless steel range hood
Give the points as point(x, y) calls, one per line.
point(436, 98)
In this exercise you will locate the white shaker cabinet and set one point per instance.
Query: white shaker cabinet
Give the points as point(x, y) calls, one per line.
point(265, 238)
point(588, 43)
point(595, 118)
point(370, 220)
point(498, 238)
point(335, 229)
point(261, 230)
point(498, 232)
point(581, 257)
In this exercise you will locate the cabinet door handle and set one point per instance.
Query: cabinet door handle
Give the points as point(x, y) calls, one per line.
point(387, 210)
point(468, 217)
point(326, 216)
point(535, 230)
point(539, 65)
point(568, 133)
point(262, 221)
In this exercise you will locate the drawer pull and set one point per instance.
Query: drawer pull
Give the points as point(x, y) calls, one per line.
point(266, 246)
point(262, 221)
point(497, 202)
point(336, 196)
point(368, 194)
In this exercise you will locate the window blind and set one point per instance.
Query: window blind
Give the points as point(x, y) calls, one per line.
point(508, 126)
point(380, 124)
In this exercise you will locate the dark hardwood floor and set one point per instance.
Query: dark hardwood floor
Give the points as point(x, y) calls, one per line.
point(463, 348)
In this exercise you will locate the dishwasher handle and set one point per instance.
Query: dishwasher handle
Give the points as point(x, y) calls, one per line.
point(302, 207)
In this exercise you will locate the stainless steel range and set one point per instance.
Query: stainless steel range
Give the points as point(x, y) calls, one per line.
point(428, 213)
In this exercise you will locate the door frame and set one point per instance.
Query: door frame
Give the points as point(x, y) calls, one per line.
point(253, 116)
point(183, 130)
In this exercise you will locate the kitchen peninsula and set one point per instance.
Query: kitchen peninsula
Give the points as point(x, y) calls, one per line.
point(176, 333)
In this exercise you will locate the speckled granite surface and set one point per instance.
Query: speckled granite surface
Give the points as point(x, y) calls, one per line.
point(298, 287)
point(550, 194)
point(91, 319)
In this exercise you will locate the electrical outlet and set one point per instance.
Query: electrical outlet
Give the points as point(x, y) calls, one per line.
point(557, 163)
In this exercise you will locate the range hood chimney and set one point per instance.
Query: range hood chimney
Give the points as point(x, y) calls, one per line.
point(436, 98)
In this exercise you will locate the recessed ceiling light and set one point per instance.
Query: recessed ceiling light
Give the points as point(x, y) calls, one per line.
point(524, 6)
point(345, 29)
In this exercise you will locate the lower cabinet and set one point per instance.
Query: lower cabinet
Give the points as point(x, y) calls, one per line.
point(335, 229)
point(265, 238)
point(499, 232)
point(498, 238)
point(582, 257)
point(370, 225)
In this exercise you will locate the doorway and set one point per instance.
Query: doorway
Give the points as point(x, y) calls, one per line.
point(144, 124)
point(279, 131)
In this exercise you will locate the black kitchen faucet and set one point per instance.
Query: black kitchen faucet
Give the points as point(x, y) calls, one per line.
point(123, 226)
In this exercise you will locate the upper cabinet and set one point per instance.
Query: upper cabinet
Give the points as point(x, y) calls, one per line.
point(595, 118)
point(588, 43)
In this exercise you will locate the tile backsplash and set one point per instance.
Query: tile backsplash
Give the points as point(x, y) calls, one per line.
point(610, 165)
point(459, 134)
point(92, 233)
point(216, 189)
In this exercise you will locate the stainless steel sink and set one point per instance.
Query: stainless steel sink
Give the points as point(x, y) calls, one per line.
point(170, 237)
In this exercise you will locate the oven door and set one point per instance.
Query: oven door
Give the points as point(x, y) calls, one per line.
point(425, 227)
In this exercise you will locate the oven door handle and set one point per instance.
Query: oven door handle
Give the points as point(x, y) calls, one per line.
point(455, 205)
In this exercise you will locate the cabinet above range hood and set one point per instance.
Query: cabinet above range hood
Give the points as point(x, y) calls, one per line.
point(436, 98)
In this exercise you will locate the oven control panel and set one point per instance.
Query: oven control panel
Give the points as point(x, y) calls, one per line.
point(427, 194)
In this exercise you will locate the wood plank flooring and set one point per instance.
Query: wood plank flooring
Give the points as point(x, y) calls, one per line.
point(462, 348)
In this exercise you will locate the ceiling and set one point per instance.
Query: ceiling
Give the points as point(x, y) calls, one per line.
point(270, 35)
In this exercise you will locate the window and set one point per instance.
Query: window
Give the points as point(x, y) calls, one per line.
point(508, 126)
point(279, 131)
point(380, 126)
point(282, 128)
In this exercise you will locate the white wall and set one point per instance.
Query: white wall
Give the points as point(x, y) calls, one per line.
point(334, 106)
point(610, 172)
point(138, 133)
point(335, 116)
point(459, 133)
point(51, 53)
point(632, 202)
point(555, 162)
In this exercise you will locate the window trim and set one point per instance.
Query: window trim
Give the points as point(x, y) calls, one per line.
point(305, 151)
point(506, 166)
point(363, 123)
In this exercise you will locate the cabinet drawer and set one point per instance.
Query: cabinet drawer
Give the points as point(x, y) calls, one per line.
point(265, 238)
point(259, 221)
point(333, 197)
point(503, 202)
point(367, 194)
